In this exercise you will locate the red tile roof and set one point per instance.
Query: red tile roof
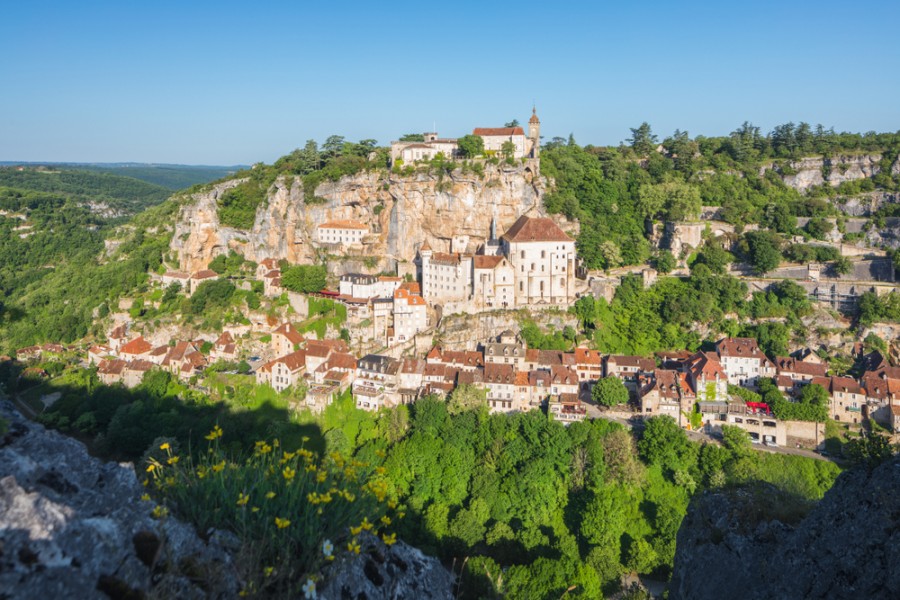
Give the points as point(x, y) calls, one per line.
point(585, 356)
point(136, 346)
point(345, 224)
point(288, 331)
point(204, 274)
point(111, 367)
point(535, 229)
point(498, 131)
point(487, 262)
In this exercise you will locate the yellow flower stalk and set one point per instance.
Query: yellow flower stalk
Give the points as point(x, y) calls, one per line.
point(164, 446)
point(281, 523)
point(243, 499)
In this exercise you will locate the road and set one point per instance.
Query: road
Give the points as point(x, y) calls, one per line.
point(627, 420)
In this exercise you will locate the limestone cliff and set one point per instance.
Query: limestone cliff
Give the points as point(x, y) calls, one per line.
point(401, 211)
point(811, 171)
point(754, 543)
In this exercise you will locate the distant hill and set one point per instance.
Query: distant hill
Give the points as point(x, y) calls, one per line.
point(171, 177)
point(120, 195)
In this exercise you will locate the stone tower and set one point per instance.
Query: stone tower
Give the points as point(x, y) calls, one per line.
point(534, 133)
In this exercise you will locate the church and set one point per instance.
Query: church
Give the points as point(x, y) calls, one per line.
point(533, 263)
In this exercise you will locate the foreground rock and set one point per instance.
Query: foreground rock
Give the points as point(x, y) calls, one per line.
point(848, 546)
point(72, 526)
point(380, 572)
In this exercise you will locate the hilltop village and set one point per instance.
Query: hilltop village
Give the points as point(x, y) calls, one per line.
point(382, 344)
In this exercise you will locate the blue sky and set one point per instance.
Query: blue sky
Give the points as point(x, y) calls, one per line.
point(239, 82)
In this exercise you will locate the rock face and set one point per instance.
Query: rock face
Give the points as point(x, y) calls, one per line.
point(72, 526)
point(380, 572)
point(401, 211)
point(812, 171)
point(848, 546)
point(864, 205)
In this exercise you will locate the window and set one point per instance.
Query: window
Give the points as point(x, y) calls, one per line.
point(522, 254)
point(543, 254)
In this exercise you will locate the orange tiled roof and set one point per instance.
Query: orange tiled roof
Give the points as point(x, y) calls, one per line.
point(136, 346)
point(535, 229)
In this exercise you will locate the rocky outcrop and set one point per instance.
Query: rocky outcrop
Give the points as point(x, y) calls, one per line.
point(401, 211)
point(865, 205)
point(815, 170)
point(755, 544)
point(381, 572)
point(72, 526)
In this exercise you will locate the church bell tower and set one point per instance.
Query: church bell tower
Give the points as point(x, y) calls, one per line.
point(534, 133)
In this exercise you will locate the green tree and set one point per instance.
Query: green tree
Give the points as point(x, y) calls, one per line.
point(763, 250)
point(470, 145)
point(508, 149)
point(642, 139)
point(304, 278)
point(609, 391)
point(665, 261)
point(466, 397)
point(736, 440)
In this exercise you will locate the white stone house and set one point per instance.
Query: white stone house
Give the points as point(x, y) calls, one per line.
point(543, 259)
point(345, 232)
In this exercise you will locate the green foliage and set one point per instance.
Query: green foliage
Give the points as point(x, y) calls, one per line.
point(871, 449)
point(665, 262)
point(467, 397)
point(609, 391)
point(238, 205)
point(291, 511)
point(471, 146)
point(874, 308)
point(762, 250)
point(304, 278)
point(81, 186)
point(215, 293)
point(811, 405)
point(535, 338)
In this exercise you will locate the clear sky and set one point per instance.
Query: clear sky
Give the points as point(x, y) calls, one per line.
point(225, 82)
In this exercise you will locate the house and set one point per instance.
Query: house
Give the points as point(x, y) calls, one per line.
point(272, 283)
point(743, 361)
point(157, 355)
point(500, 382)
point(117, 336)
point(589, 366)
point(97, 353)
point(539, 387)
point(266, 265)
point(316, 354)
point(286, 339)
point(283, 372)
point(182, 279)
point(111, 371)
point(29, 353)
point(136, 347)
point(135, 371)
point(563, 380)
point(344, 233)
point(628, 368)
point(411, 379)
point(566, 409)
point(224, 348)
point(660, 394)
point(706, 378)
point(543, 260)
point(509, 349)
point(377, 382)
point(200, 277)
point(798, 371)
point(847, 399)
point(430, 146)
point(410, 315)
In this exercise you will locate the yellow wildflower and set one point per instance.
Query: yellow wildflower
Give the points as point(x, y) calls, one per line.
point(151, 467)
point(353, 546)
point(386, 520)
point(254, 509)
point(305, 438)
point(215, 433)
point(321, 476)
point(268, 571)
point(389, 540)
point(243, 499)
point(173, 460)
point(145, 497)
point(159, 512)
point(392, 504)
point(355, 531)
point(270, 495)
point(281, 523)
point(164, 446)
point(365, 524)
point(289, 473)
point(218, 467)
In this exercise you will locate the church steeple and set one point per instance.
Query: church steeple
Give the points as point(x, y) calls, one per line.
point(534, 132)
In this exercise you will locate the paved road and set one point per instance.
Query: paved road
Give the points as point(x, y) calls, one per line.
point(626, 420)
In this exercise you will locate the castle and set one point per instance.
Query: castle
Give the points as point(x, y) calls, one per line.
point(494, 137)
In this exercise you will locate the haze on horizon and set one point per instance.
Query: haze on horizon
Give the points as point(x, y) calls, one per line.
point(229, 83)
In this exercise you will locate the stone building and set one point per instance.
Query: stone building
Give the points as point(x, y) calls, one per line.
point(543, 259)
point(344, 233)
